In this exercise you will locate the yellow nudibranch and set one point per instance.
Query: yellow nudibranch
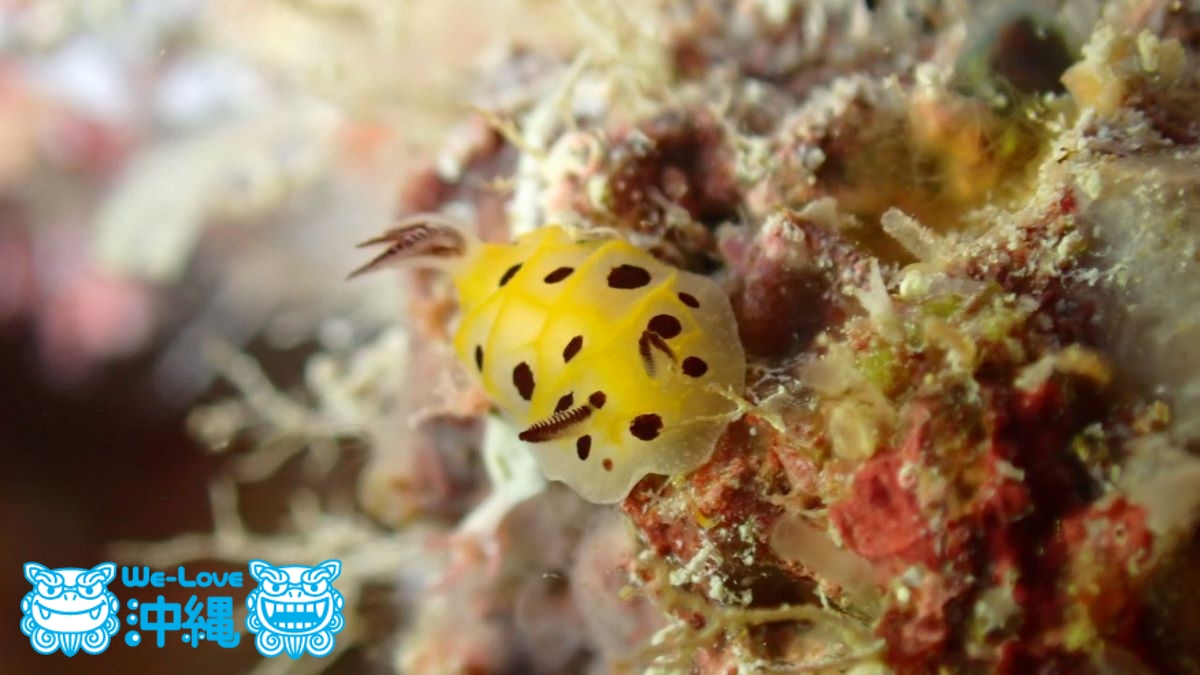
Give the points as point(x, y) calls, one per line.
point(613, 364)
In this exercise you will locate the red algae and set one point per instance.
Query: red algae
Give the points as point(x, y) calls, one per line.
point(880, 519)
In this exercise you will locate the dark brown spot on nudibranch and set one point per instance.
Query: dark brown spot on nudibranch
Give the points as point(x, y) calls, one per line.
point(646, 427)
point(565, 402)
point(583, 446)
point(665, 325)
point(694, 366)
point(607, 464)
point(558, 275)
point(523, 380)
point(572, 348)
point(479, 358)
point(598, 399)
point(628, 276)
point(512, 272)
point(689, 300)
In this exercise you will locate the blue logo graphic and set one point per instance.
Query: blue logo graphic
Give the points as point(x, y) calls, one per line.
point(295, 608)
point(70, 608)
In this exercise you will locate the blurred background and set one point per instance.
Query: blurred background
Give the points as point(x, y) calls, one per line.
point(182, 183)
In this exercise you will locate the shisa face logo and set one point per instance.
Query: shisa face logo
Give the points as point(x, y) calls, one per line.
point(295, 608)
point(69, 609)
